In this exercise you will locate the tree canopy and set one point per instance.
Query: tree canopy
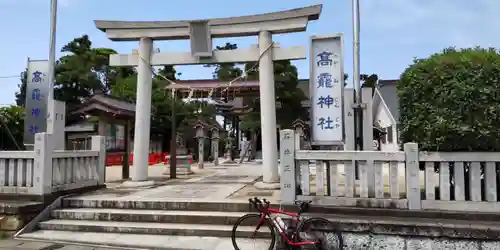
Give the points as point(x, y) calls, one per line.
point(81, 72)
point(12, 127)
point(451, 101)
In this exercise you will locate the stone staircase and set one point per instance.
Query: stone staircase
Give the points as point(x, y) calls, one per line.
point(144, 224)
point(204, 225)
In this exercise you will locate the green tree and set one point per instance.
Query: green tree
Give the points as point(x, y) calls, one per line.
point(451, 101)
point(108, 74)
point(76, 75)
point(225, 71)
point(288, 96)
point(21, 94)
point(161, 101)
point(366, 80)
point(81, 72)
point(12, 127)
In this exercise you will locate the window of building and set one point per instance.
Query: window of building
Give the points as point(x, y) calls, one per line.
point(383, 138)
point(389, 135)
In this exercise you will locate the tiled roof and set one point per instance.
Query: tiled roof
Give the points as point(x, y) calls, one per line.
point(109, 101)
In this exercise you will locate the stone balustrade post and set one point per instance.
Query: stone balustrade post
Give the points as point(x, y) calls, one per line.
point(412, 176)
point(99, 145)
point(287, 162)
point(299, 127)
point(43, 163)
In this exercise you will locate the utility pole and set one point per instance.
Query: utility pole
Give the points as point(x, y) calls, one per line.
point(52, 49)
point(356, 75)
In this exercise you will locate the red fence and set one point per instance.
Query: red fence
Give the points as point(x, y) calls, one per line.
point(114, 159)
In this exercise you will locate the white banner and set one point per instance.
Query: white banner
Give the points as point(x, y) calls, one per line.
point(37, 87)
point(326, 83)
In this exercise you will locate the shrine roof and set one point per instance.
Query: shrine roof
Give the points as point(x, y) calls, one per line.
point(208, 123)
point(105, 104)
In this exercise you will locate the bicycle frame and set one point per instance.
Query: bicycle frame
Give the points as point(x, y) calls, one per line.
point(266, 214)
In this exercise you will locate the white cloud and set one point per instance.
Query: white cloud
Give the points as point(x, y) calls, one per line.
point(454, 22)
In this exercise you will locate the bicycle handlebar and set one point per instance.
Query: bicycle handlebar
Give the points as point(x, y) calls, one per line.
point(260, 205)
point(263, 205)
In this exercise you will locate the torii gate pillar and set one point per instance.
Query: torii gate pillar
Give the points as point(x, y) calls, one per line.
point(143, 111)
point(268, 111)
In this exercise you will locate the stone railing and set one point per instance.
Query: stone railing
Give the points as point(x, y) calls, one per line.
point(408, 179)
point(45, 170)
point(17, 172)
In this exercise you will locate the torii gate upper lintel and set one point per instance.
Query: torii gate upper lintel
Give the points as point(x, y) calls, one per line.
point(200, 33)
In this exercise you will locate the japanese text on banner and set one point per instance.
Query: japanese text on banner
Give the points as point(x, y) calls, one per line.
point(36, 100)
point(324, 100)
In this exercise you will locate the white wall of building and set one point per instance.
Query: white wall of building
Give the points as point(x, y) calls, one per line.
point(389, 142)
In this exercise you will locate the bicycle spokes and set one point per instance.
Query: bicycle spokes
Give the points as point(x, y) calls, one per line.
point(322, 233)
point(252, 233)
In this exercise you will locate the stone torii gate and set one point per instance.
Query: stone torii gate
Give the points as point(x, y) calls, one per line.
point(200, 34)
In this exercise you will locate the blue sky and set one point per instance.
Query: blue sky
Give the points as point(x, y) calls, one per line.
point(393, 32)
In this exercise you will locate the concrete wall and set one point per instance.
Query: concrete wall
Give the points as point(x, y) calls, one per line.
point(354, 241)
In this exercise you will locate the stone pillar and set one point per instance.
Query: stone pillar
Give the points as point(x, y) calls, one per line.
point(56, 122)
point(101, 127)
point(299, 127)
point(200, 136)
point(143, 111)
point(368, 138)
point(99, 144)
point(299, 133)
point(229, 148)
point(201, 151)
point(268, 110)
point(215, 146)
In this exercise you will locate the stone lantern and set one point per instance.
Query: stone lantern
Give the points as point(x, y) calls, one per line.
point(300, 128)
point(201, 133)
point(215, 145)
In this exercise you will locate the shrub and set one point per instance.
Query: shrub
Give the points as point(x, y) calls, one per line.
point(451, 101)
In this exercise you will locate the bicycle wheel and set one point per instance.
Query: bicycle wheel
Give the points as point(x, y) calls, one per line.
point(251, 235)
point(321, 230)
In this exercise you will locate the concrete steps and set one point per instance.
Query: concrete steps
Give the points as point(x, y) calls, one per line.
point(142, 241)
point(161, 216)
point(203, 225)
point(147, 228)
point(176, 205)
point(147, 224)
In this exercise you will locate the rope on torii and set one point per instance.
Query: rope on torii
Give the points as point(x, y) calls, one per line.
point(191, 90)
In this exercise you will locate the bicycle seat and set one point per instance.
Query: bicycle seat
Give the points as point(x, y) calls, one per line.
point(303, 205)
point(298, 202)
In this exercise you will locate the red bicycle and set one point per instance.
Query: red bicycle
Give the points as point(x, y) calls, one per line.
point(295, 232)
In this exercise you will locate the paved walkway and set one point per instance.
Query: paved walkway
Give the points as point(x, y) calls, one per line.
point(36, 245)
point(208, 184)
point(227, 183)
